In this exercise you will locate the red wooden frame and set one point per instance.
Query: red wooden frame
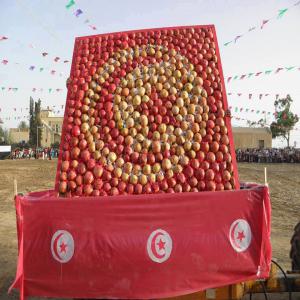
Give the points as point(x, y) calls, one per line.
point(227, 119)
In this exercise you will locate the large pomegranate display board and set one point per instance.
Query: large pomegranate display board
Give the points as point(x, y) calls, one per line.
point(146, 113)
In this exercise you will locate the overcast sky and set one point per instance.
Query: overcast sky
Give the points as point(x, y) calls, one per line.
point(37, 26)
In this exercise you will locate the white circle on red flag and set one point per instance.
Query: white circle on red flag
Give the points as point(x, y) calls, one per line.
point(62, 246)
point(240, 235)
point(159, 246)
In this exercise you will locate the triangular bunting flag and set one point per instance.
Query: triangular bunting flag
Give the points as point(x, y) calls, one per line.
point(281, 12)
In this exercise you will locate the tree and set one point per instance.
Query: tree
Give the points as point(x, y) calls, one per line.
point(285, 119)
point(35, 122)
point(23, 125)
point(32, 124)
point(4, 136)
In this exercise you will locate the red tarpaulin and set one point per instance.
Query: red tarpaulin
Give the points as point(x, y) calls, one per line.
point(147, 246)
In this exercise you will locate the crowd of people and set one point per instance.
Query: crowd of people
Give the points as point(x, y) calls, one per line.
point(269, 155)
point(29, 153)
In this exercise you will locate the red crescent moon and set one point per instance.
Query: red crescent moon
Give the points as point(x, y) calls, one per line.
point(55, 245)
point(153, 249)
point(232, 236)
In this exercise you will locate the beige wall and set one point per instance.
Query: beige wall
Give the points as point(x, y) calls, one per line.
point(17, 136)
point(249, 138)
point(52, 127)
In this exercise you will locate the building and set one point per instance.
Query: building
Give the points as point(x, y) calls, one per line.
point(51, 128)
point(247, 137)
point(17, 135)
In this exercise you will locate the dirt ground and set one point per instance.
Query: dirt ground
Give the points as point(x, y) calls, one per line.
point(284, 181)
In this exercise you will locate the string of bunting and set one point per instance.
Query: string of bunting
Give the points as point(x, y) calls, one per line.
point(281, 12)
point(255, 95)
point(250, 110)
point(21, 109)
point(15, 89)
point(5, 62)
point(55, 58)
point(78, 13)
point(43, 53)
point(260, 73)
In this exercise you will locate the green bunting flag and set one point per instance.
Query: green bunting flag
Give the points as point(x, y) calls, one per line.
point(50, 90)
point(250, 74)
point(236, 109)
point(3, 88)
point(235, 77)
point(290, 68)
point(268, 72)
point(226, 44)
point(41, 69)
point(281, 12)
point(70, 4)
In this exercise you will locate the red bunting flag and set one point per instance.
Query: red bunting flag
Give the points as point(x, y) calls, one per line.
point(266, 95)
point(277, 96)
point(66, 61)
point(237, 37)
point(62, 106)
point(56, 59)
point(242, 77)
point(278, 70)
point(229, 94)
point(264, 22)
point(260, 96)
point(3, 38)
point(44, 54)
point(228, 79)
point(34, 89)
point(258, 73)
point(250, 96)
point(239, 94)
point(251, 28)
point(53, 72)
point(93, 27)
point(4, 62)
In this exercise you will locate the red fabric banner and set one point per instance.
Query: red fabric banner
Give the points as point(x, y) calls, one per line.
point(143, 246)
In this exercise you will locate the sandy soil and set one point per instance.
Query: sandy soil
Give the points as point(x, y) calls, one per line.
point(284, 181)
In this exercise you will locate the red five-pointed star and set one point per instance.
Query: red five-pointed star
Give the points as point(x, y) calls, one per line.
point(241, 236)
point(161, 244)
point(63, 247)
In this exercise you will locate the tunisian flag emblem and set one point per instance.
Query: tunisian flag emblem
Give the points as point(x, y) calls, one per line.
point(62, 246)
point(159, 246)
point(240, 235)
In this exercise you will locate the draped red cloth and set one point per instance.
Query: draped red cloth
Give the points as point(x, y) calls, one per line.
point(147, 246)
